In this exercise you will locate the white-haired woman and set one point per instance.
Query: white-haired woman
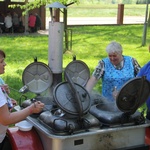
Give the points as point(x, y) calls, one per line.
point(115, 70)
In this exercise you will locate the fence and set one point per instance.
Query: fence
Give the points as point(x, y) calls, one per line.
point(121, 14)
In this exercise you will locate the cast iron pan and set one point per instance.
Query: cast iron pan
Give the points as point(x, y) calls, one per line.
point(78, 71)
point(37, 76)
point(133, 95)
point(72, 98)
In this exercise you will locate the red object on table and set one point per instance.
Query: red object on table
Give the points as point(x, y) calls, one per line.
point(23, 140)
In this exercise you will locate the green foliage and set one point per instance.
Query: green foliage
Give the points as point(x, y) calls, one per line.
point(37, 3)
point(109, 1)
point(142, 1)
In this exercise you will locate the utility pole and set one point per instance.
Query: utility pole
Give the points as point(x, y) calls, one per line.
point(26, 20)
point(145, 26)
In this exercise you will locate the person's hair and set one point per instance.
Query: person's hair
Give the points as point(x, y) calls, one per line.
point(114, 47)
point(2, 53)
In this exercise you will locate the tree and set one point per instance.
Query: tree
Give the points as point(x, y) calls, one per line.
point(32, 4)
point(145, 25)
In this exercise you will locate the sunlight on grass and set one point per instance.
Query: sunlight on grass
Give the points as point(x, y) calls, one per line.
point(101, 10)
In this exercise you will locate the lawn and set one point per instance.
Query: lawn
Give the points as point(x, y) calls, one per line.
point(102, 10)
point(88, 44)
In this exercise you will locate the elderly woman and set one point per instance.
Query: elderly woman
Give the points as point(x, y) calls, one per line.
point(115, 71)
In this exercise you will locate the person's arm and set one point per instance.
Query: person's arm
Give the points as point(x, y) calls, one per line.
point(6, 87)
point(144, 71)
point(91, 83)
point(8, 118)
point(97, 74)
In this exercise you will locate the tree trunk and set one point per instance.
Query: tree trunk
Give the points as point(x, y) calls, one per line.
point(65, 29)
point(148, 19)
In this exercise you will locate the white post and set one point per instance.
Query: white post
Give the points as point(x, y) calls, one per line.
point(55, 53)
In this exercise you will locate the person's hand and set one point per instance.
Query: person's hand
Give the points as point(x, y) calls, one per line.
point(115, 93)
point(36, 107)
point(14, 102)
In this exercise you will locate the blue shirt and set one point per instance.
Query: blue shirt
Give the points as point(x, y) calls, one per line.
point(145, 71)
point(114, 77)
point(132, 68)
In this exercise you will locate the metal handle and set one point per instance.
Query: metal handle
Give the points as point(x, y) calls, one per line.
point(77, 97)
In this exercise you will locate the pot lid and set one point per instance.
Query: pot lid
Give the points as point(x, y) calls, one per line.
point(78, 71)
point(133, 95)
point(72, 97)
point(37, 76)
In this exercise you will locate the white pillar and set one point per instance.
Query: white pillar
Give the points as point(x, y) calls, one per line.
point(55, 50)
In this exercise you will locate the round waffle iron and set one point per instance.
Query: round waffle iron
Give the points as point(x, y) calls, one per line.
point(71, 97)
point(76, 100)
point(37, 76)
point(73, 105)
point(125, 110)
point(133, 95)
point(78, 71)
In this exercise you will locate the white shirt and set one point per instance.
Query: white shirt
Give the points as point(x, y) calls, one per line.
point(8, 21)
point(3, 128)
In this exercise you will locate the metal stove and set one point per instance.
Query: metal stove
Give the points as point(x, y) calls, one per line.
point(72, 119)
point(67, 109)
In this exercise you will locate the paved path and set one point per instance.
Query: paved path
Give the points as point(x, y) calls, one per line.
point(97, 21)
point(101, 20)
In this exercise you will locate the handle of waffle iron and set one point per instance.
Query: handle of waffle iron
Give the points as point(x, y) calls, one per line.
point(77, 97)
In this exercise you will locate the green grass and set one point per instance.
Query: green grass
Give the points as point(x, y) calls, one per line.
point(88, 44)
point(101, 10)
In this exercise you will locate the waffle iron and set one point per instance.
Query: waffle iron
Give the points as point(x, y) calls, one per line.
point(125, 110)
point(73, 101)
